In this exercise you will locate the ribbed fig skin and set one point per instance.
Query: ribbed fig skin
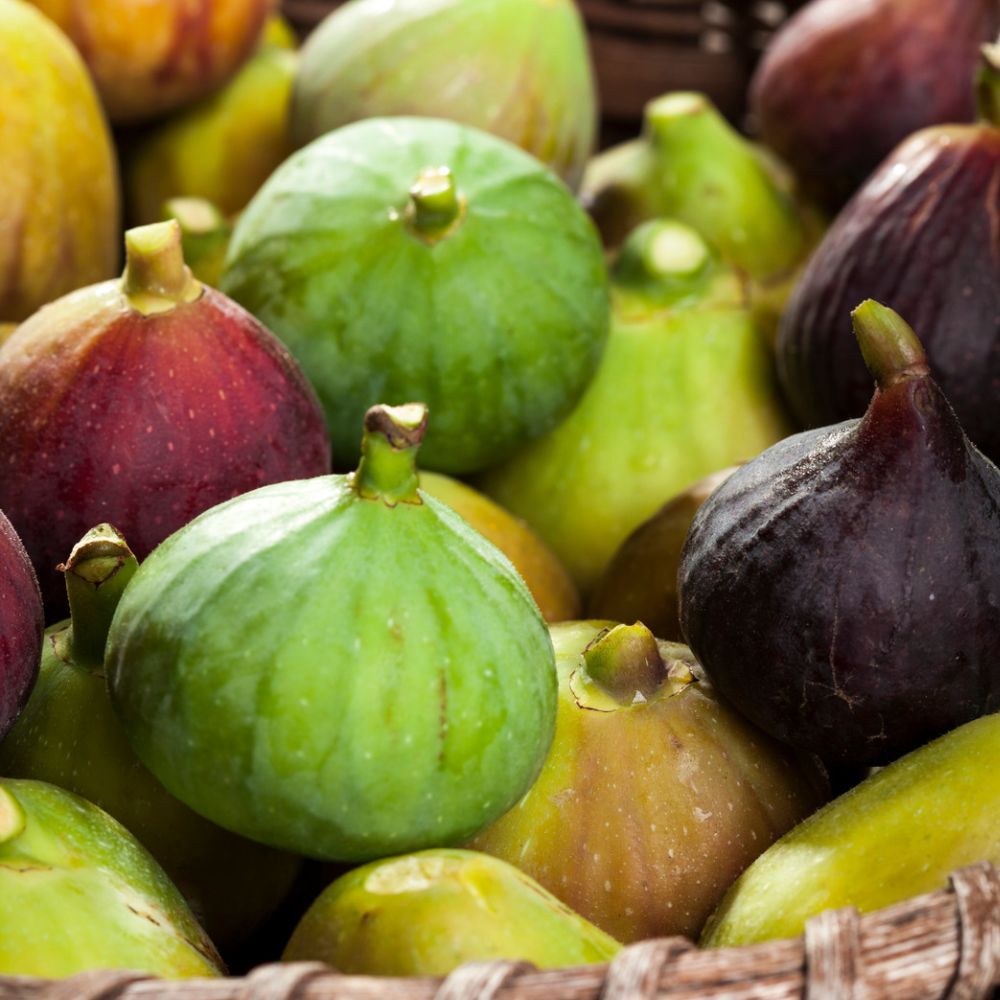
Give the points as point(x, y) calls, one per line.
point(922, 236)
point(845, 81)
point(20, 625)
point(107, 415)
point(842, 590)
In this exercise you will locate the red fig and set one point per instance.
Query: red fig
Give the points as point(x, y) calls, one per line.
point(144, 401)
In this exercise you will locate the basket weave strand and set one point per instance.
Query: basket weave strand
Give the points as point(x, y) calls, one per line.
point(940, 946)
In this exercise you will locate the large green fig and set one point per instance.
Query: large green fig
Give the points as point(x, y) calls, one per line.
point(517, 68)
point(655, 794)
point(897, 834)
point(425, 914)
point(409, 258)
point(685, 388)
point(78, 892)
point(339, 666)
point(69, 735)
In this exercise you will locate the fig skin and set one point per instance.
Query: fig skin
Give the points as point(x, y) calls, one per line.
point(143, 411)
point(919, 236)
point(844, 81)
point(857, 567)
point(426, 914)
point(655, 794)
point(21, 622)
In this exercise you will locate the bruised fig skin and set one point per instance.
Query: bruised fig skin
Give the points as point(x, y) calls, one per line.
point(844, 81)
point(858, 567)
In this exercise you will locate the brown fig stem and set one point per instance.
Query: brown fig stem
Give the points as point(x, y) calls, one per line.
point(156, 278)
point(12, 818)
point(97, 571)
point(988, 84)
point(435, 206)
point(625, 660)
point(388, 468)
point(892, 351)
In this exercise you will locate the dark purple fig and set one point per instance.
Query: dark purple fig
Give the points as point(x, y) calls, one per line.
point(922, 236)
point(844, 81)
point(20, 625)
point(843, 588)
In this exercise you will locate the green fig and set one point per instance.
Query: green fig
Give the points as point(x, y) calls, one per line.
point(655, 794)
point(78, 892)
point(205, 236)
point(685, 387)
point(426, 914)
point(69, 735)
point(897, 834)
point(339, 666)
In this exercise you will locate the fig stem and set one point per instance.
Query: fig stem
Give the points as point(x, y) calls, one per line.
point(892, 351)
point(97, 571)
point(156, 279)
point(388, 467)
point(12, 818)
point(626, 660)
point(988, 84)
point(435, 207)
point(661, 250)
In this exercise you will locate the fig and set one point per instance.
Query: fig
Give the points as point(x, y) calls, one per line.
point(932, 257)
point(655, 794)
point(519, 69)
point(68, 735)
point(407, 258)
point(156, 56)
point(685, 388)
point(78, 892)
point(60, 206)
point(142, 402)
point(224, 147)
point(205, 235)
point(841, 589)
point(548, 581)
point(20, 625)
point(844, 81)
point(426, 914)
point(640, 582)
point(339, 666)
point(899, 833)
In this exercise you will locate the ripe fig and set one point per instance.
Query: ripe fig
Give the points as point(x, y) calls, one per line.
point(899, 833)
point(60, 205)
point(69, 735)
point(144, 401)
point(519, 69)
point(844, 81)
point(339, 666)
point(479, 289)
point(842, 588)
point(655, 794)
point(79, 892)
point(685, 387)
point(921, 237)
point(20, 625)
point(426, 914)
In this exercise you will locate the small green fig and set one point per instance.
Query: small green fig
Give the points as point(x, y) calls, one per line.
point(425, 914)
point(205, 236)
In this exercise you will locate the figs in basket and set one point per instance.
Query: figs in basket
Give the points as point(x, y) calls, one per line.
point(142, 402)
point(408, 258)
point(339, 666)
point(69, 735)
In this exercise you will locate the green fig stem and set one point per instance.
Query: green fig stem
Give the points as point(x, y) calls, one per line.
point(205, 236)
point(892, 351)
point(988, 84)
point(435, 207)
point(388, 468)
point(156, 279)
point(12, 818)
point(97, 571)
point(626, 660)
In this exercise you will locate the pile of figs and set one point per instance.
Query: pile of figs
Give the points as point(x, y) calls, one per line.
point(428, 538)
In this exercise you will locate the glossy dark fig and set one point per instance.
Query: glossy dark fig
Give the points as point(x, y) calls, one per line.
point(842, 588)
point(20, 625)
point(142, 402)
point(922, 237)
point(844, 81)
